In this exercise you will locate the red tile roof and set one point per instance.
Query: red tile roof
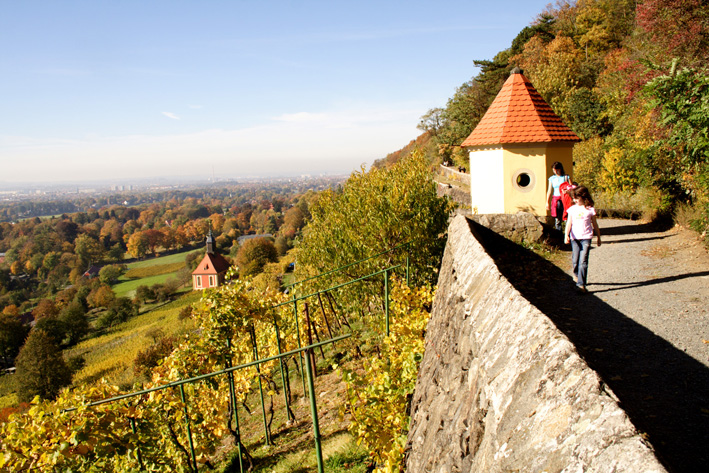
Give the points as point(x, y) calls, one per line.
point(212, 263)
point(519, 114)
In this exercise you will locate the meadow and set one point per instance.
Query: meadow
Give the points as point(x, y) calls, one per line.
point(149, 272)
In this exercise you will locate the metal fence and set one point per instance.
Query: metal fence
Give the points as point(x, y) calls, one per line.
point(306, 363)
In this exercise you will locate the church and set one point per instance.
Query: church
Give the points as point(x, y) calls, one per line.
point(211, 270)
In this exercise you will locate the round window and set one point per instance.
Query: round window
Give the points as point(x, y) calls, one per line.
point(523, 180)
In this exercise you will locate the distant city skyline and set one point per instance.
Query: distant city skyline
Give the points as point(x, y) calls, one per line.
point(98, 91)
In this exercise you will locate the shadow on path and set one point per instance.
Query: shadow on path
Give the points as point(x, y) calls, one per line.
point(649, 282)
point(629, 240)
point(664, 391)
point(653, 227)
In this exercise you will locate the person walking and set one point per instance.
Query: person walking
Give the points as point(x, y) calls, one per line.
point(580, 228)
point(554, 194)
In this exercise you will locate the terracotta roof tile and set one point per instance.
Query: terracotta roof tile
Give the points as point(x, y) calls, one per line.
point(519, 114)
point(212, 263)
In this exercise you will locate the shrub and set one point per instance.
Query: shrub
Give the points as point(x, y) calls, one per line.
point(120, 311)
point(144, 293)
point(149, 358)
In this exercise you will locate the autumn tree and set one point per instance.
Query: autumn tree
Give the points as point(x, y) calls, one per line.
point(137, 244)
point(102, 296)
point(45, 308)
point(41, 369)
point(254, 254)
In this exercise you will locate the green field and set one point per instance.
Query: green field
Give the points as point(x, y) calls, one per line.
point(154, 269)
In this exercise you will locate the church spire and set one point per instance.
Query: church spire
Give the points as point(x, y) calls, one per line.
point(210, 242)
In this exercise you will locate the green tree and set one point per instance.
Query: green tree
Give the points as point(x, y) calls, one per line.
point(54, 327)
point(377, 211)
point(88, 249)
point(41, 369)
point(254, 254)
point(121, 310)
point(75, 322)
point(110, 274)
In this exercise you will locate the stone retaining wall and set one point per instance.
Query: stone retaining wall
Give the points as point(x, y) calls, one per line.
point(454, 175)
point(457, 194)
point(501, 389)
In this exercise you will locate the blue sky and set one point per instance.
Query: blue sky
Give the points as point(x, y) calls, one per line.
point(114, 90)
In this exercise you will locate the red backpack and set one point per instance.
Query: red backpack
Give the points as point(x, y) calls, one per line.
point(565, 197)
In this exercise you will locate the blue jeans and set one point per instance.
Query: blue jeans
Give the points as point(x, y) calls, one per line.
point(579, 257)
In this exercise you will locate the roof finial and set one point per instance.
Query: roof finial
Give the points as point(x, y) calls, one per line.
point(516, 70)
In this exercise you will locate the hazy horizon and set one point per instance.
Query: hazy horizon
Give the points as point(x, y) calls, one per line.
point(132, 90)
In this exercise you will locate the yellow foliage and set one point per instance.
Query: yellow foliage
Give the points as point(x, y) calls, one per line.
point(379, 398)
point(615, 177)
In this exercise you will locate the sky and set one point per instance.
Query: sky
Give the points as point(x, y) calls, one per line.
point(119, 90)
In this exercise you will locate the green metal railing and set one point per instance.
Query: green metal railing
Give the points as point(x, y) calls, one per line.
point(305, 366)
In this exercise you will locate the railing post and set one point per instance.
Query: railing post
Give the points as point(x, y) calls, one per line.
point(260, 387)
point(283, 371)
point(314, 414)
point(189, 430)
point(408, 270)
point(135, 431)
point(232, 394)
point(300, 353)
point(386, 301)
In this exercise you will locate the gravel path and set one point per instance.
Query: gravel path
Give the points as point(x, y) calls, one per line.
point(642, 327)
point(658, 279)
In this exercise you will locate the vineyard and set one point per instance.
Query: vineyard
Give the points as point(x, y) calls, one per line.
point(249, 343)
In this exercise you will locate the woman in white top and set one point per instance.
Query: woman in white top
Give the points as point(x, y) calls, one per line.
point(554, 195)
point(580, 228)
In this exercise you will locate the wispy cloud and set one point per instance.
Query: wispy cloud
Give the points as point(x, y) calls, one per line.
point(171, 115)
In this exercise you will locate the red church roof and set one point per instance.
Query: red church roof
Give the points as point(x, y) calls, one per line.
point(212, 263)
point(519, 114)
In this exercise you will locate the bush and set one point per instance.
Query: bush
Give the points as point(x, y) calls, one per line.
point(149, 358)
point(646, 203)
point(185, 313)
point(121, 310)
point(144, 293)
